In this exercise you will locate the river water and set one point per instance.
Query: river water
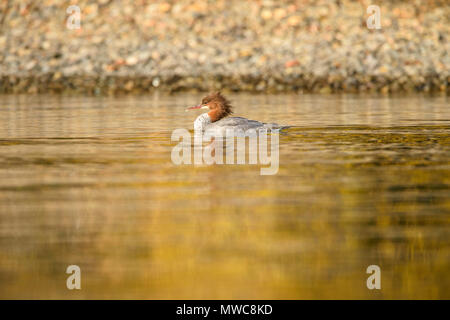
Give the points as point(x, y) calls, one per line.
point(89, 181)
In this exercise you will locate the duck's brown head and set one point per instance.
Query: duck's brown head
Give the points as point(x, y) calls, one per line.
point(218, 106)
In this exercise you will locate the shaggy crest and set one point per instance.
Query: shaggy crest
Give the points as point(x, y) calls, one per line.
point(219, 105)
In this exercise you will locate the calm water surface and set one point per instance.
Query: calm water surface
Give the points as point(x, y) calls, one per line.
point(90, 182)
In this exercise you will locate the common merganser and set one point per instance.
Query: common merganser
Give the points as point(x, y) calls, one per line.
point(217, 120)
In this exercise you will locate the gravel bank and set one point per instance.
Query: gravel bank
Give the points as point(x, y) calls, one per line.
point(265, 46)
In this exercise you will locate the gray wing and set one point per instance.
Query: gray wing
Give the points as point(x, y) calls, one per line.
point(236, 124)
point(238, 121)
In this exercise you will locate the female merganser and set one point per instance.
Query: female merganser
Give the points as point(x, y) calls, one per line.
point(216, 119)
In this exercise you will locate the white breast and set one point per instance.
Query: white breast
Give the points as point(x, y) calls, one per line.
point(201, 122)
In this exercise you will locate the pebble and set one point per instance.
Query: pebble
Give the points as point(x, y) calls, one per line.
point(265, 46)
point(155, 82)
point(131, 61)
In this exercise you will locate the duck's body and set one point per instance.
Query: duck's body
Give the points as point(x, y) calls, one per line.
point(216, 121)
point(229, 125)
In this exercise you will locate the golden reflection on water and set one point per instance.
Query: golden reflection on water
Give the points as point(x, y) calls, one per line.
point(89, 181)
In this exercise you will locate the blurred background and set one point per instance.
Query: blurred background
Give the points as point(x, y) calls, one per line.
point(252, 45)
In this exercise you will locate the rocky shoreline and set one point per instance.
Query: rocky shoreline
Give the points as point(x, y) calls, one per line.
point(190, 45)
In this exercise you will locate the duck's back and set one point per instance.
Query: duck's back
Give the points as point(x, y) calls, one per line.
point(237, 123)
